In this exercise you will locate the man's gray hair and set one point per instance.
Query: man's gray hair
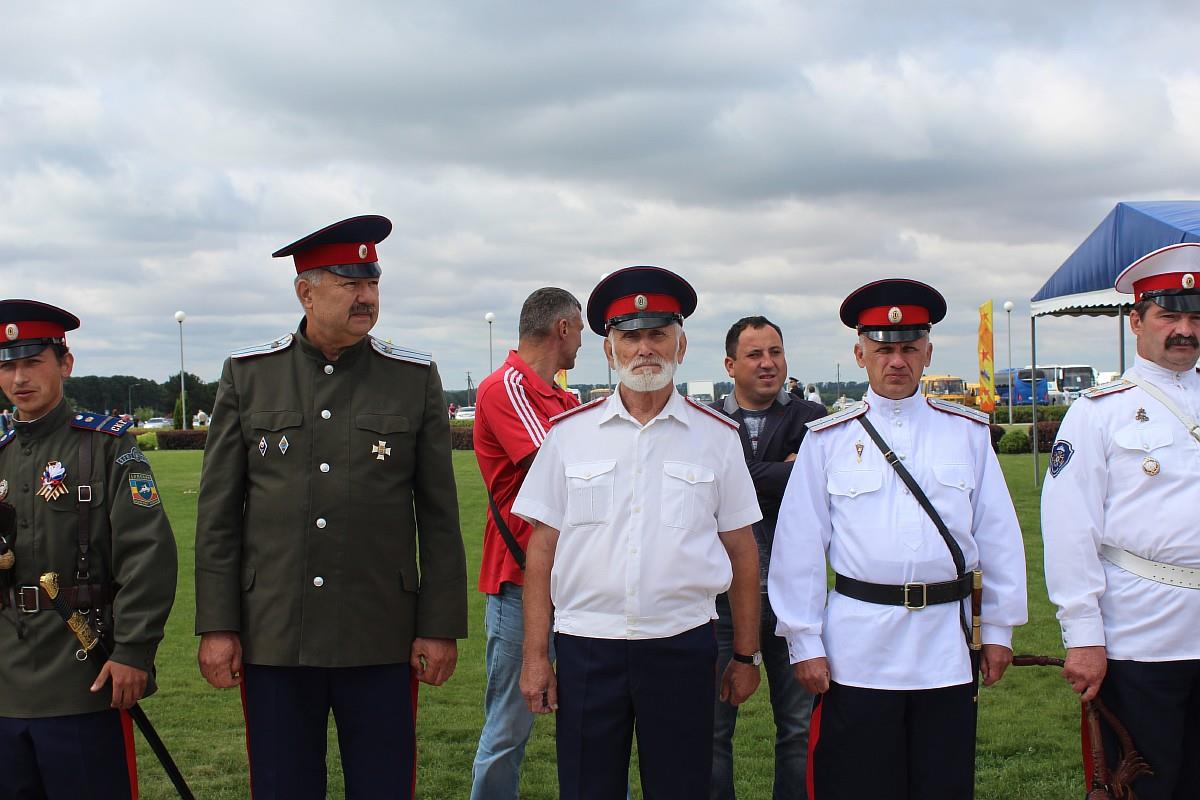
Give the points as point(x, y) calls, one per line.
point(310, 276)
point(543, 309)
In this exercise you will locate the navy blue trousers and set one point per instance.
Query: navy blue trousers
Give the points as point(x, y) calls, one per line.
point(287, 717)
point(660, 688)
point(867, 743)
point(78, 757)
point(1159, 703)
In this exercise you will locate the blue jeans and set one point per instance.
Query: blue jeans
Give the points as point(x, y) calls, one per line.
point(507, 720)
point(791, 705)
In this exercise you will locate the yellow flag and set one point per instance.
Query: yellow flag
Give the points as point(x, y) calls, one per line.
point(987, 360)
point(560, 378)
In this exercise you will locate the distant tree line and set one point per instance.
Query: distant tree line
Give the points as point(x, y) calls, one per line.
point(129, 395)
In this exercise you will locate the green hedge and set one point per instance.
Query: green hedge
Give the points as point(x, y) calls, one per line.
point(462, 436)
point(147, 441)
point(182, 440)
point(1024, 414)
point(1015, 441)
point(1047, 433)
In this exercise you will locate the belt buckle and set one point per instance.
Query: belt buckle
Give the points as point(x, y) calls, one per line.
point(908, 587)
point(37, 600)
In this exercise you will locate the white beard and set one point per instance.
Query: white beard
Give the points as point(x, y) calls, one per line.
point(648, 381)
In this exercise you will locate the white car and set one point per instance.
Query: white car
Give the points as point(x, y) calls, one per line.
point(466, 412)
point(158, 422)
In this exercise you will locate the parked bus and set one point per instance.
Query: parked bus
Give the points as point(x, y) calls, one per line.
point(946, 387)
point(1065, 381)
point(1022, 395)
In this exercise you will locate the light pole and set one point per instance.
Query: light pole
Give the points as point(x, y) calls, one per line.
point(490, 317)
point(1008, 307)
point(129, 400)
point(180, 316)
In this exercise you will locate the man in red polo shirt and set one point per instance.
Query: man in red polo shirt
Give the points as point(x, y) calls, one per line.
point(513, 410)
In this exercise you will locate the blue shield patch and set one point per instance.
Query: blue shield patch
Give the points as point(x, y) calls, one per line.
point(144, 492)
point(1060, 456)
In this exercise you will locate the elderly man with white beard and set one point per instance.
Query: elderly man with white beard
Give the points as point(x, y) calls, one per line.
point(642, 505)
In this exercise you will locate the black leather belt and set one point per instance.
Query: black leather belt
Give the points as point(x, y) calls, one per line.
point(31, 599)
point(913, 595)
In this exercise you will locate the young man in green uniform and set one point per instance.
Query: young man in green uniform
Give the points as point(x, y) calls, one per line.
point(63, 729)
point(328, 451)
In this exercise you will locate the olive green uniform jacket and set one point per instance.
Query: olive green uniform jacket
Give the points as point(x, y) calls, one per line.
point(318, 477)
point(131, 545)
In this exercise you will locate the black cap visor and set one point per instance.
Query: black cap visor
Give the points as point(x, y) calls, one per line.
point(25, 348)
point(900, 333)
point(642, 320)
point(367, 269)
point(1178, 300)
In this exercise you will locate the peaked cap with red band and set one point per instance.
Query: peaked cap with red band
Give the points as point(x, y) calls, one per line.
point(639, 297)
point(345, 248)
point(1167, 277)
point(893, 310)
point(28, 327)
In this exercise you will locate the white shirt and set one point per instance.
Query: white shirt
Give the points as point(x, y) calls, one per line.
point(638, 510)
point(1102, 494)
point(844, 501)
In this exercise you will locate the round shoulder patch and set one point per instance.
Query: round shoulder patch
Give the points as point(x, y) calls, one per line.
point(1060, 456)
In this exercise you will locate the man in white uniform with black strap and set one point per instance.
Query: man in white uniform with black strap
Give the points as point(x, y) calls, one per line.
point(889, 652)
point(1119, 516)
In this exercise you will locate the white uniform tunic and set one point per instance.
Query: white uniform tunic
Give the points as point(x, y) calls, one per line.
point(846, 502)
point(638, 510)
point(1104, 494)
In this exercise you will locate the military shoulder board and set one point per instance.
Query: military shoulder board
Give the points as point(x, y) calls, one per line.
point(577, 409)
point(8, 437)
point(87, 421)
point(973, 414)
point(717, 415)
point(401, 353)
point(838, 417)
point(1112, 387)
point(277, 346)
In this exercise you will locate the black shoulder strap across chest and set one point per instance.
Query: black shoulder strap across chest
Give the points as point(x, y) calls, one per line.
point(507, 535)
point(960, 564)
point(83, 494)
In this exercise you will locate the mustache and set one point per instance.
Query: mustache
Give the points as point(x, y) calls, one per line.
point(362, 308)
point(1183, 341)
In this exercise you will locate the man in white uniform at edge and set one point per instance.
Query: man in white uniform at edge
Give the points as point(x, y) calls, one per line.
point(1119, 518)
point(889, 655)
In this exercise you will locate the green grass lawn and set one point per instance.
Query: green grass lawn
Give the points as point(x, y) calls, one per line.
point(1028, 731)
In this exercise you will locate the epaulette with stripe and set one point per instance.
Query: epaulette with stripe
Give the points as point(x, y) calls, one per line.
point(973, 414)
point(577, 409)
point(838, 417)
point(8, 437)
point(399, 353)
point(88, 421)
point(1112, 387)
point(717, 415)
point(277, 346)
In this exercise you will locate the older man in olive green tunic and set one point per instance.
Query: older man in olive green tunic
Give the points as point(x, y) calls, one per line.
point(63, 730)
point(327, 480)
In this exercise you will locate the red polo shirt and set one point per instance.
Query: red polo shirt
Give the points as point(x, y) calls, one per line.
point(512, 415)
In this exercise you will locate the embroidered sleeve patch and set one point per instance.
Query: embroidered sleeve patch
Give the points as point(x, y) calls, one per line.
point(145, 493)
point(1060, 456)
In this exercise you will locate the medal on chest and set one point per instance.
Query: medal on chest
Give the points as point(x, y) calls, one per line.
point(1150, 466)
point(858, 450)
point(54, 478)
point(3, 490)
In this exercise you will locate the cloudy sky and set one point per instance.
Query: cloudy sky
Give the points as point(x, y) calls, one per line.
point(777, 154)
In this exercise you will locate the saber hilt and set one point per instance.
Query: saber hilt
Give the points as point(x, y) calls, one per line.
point(89, 641)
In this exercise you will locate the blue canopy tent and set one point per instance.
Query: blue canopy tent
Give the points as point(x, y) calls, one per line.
point(1083, 285)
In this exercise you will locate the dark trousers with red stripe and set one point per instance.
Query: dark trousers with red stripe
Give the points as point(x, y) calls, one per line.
point(287, 717)
point(867, 743)
point(77, 757)
point(1159, 704)
point(662, 688)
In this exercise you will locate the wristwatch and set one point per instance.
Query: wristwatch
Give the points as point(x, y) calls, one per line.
point(755, 659)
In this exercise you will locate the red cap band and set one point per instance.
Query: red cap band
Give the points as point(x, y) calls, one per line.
point(15, 331)
point(1169, 280)
point(650, 304)
point(330, 255)
point(879, 316)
